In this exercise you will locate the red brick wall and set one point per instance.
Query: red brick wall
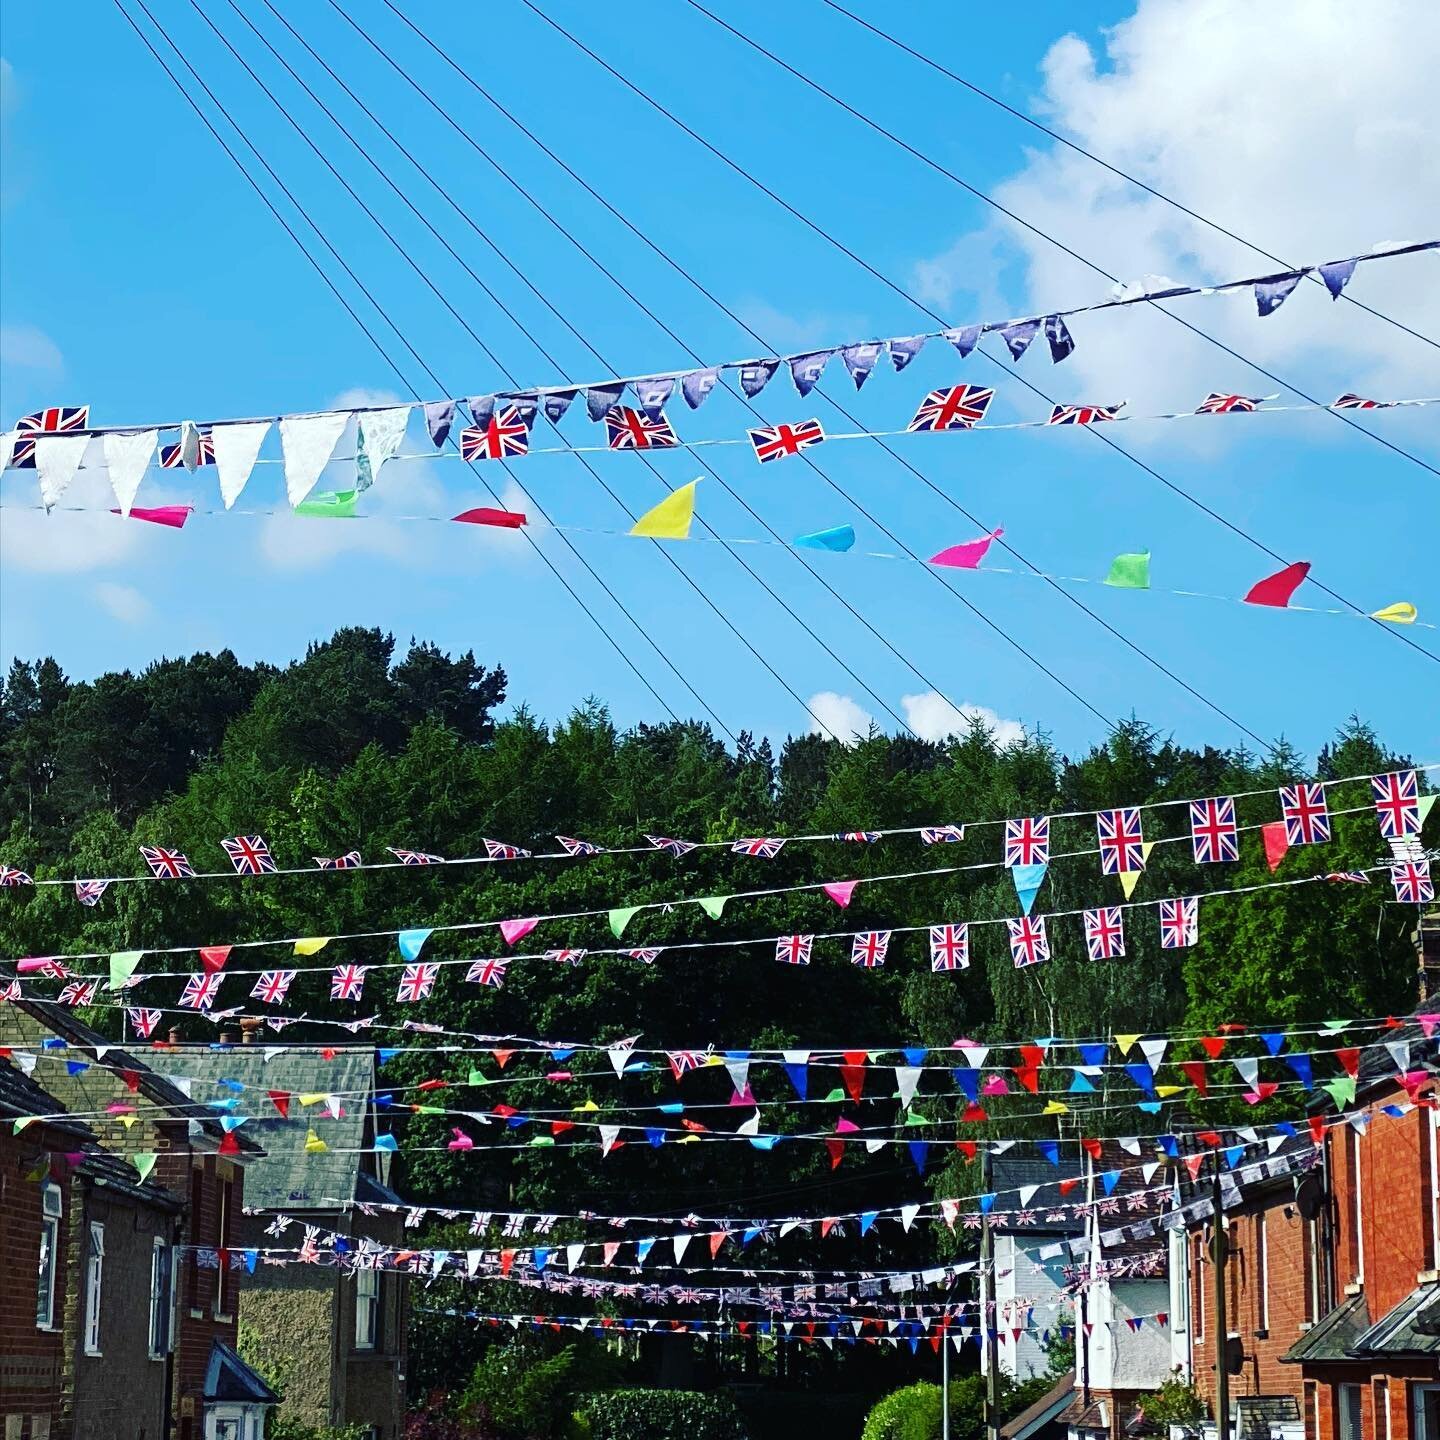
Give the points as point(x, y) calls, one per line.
point(31, 1359)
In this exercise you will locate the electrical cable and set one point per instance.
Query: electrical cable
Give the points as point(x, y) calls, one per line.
point(899, 290)
point(1073, 599)
point(395, 368)
point(1114, 169)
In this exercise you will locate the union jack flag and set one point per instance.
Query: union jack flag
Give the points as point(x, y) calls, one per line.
point(144, 1022)
point(1353, 877)
point(1213, 834)
point(172, 457)
point(1122, 846)
point(1027, 841)
point(682, 1061)
point(764, 849)
point(350, 860)
point(487, 972)
point(82, 992)
point(1105, 933)
point(565, 957)
point(1306, 815)
point(949, 947)
point(201, 991)
point(272, 986)
point(1084, 414)
point(1179, 922)
point(417, 981)
point(648, 955)
point(859, 837)
point(1358, 402)
point(676, 848)
point(957, 408)
point(1028, 942)
point(57, 420)
point(250, 855)
point(631, 430)
point(794, 949)
point(1412, 882)
point(505, 434)
point(11, 991)
point(166, 864)
point(10, 876)
point(415, 857)
point(1217, 404)
point(499, 850)
point(775, 442)
point(347, 982)
point(868, 949)
point(573, 846)
point(88, 892)
point(942, 834)
point(47, 969)
point(1397, 803)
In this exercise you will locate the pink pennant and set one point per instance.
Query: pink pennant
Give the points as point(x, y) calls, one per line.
point(845, 1127)
point(840, 891)
point(743, 1097)
point(1277, 589)
point(174, 516)
point(461, 1141)
point(969, 555)
point(995, 1085)
point(41, 965)
point(1428, 1022)
point(502, 519)
point(1277, 842)
point(514, 930)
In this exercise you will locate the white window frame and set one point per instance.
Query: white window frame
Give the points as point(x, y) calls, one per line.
point(367, 1309)
point(162, 1267)
point(1262, 1273)
point(1434, 1141)
point(1343, 1393)
point(94, 1285)
point(1357, 1203)
point(222, 1302)
point(48, 1274)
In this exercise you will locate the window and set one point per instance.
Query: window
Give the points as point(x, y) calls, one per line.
point(49, 1257)
point(220, 1308)
point(367, 1309)
point(94, 1272)
point(1199, 1272)
point(160, 1271)
point(1348, 1411)
point(1433, 1134)
point(1357, 1207)
point(1380, 1393)
point(1261, 1274)
point(192, 1273)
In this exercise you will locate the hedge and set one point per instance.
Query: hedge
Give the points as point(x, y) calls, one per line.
point(662, 1415)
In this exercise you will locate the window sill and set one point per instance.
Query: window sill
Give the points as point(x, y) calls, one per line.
point(1355, 1287)
point(51, 1329)
point(220, 1318)
point(93, 1354)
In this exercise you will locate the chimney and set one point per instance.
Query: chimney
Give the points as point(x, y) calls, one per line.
point(250, 1028)
point(174, 1034)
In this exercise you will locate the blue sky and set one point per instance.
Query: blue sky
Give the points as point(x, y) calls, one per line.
point(140, 274)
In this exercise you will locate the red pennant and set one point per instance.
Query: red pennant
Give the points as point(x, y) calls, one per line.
point(974, 1115)
point(328, 1053)
point(1349, 1062)
point(1066, 1186)
point(1263, 1091)
point(131, 1079)
point(1032, 1056)
point(213, 957)
point(852, 1074)
point(433, 1085)
point(1210, 1138)
point(836, 1150)
point(825, 1228)
point(967, 1148)
point(1028, 1076)
point(280, 1099)
point(1277, 589)
point(1317, 1129)
point(502, 1057)
point(1195, 1073)
point(717, 1239)
point(506, 1111)
point(504, 519)
point(1193, 1164)
point(1090, 1146)
point(559, 1127)
point(507, 1259)
point(935, 1342)
point(743, 1326)
point(229, 1145)
point(1212, 1045)
point(1277, 842)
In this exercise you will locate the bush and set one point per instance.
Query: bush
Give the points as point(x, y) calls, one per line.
point(662, 1415)
point(914, 1412)
point(517, 1392)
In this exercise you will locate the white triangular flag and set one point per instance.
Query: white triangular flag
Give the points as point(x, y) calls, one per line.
point(236, 447)
point(7, 447)
point(381, 432)
point(57, 458)
point(1147, 1171)
point(573, 1254)
point(750, 1126)
point(907, 1216)
point(609, 1134)
point(1274, 1143)
point(1130, 1146)
point(1399, 1053)
point(739, 1074)
point(680, 1242)
point(620, 1055)
point(189, 445)
point(126, 459)
point(975, 1055)
point(907, 1079)
point(1248, 1068)
point(307, 442)
point(1027, 1194)
point(871, 1146)
point(1154, 1052)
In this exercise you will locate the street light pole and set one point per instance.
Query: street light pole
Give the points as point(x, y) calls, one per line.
point(989, 1324)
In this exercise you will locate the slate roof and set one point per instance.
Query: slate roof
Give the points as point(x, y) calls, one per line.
point(1399, 1333)
point(287, 1177)
point(22, 1095)
point(1045, 1411)
point(228, 1377)
point(1330, 1339)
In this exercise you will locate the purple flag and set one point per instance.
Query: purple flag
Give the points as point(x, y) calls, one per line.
point(439, 417)
point(600, 400)
point(1062, 343)
point(806, 370)
point(698, 384)
point(557, 402)
point(653, 393)
point(965, 338)
point(1019, 335)
point(755, 375)
point(860, 359)
point(1270, 294)
point(1336, 275)
point(905, 348)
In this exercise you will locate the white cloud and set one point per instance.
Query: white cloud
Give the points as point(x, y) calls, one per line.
point(790, 334)
point(838, 717)
point(124, 602)
point(1216, 102)
point(27, 347)
point(64, 542)
point(932, 717)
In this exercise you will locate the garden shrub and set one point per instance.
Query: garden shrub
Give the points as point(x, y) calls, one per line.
point(662, 1415)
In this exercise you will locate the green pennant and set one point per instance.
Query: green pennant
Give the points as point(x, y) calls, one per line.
point(336, 505)
point(620, 918)
point(478, 1077)
point(428, 1110)
point(913, 1117)
point(1130, 572)
point(1334, 1026)
point(144, 1162)
point(835, 1095)
point(122, 967)
point(1341, 1090)
point(1426, 801)
point(542, 1140)
point(713, 905)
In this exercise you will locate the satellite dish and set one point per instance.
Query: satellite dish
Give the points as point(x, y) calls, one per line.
point(1234, 1354)
point(1310, 1197)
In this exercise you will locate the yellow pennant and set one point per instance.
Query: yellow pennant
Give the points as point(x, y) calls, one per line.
point(1128, 881)
point(1166, 1091)
point(1054, 1107)
point(1126, 1042)
point(312, 946)
point(312, 1097)
point(1402, 612)
point(671, 518)
point(314, 1145)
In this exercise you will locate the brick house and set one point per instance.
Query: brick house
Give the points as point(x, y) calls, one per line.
point(333, 1339)
point(136, 1116)
point(1333, 1271)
